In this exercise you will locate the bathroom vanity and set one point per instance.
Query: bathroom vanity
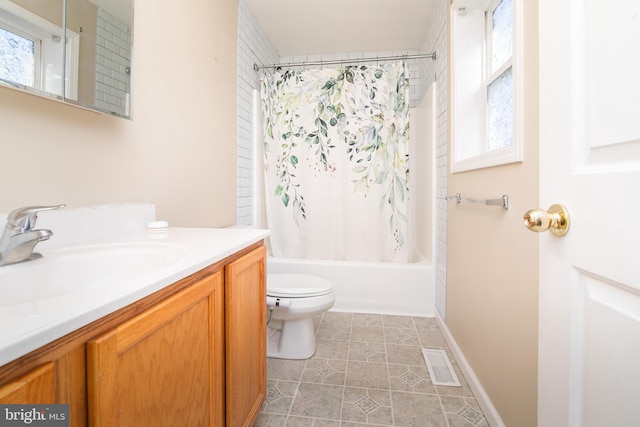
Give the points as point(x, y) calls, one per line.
point(190, 351)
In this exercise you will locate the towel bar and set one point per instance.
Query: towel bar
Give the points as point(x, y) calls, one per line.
point(502, 201)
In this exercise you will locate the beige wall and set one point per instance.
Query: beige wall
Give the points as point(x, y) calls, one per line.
point(492, 266)
point(178, 152)
point(49, 10)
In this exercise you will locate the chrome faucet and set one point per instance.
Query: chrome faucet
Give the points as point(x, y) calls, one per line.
point(19, 238)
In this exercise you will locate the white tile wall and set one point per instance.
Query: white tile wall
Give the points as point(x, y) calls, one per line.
point(436, 39)
point(254, 47)
point(113, 59)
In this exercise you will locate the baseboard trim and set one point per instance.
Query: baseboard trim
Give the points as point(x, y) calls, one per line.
point(490, 412)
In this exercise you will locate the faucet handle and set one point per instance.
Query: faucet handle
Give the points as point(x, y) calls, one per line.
point(25, 218)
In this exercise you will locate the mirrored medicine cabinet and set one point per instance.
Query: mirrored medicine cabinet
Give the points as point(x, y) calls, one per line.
point(75, 51)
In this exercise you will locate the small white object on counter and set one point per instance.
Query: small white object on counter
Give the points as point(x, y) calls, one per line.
point(158, 226)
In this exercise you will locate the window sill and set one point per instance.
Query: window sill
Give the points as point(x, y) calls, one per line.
point(503, 156)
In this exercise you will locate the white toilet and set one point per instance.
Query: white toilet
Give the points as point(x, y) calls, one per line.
point(293, 300)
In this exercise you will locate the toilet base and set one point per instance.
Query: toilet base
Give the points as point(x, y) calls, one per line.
point(291, 339)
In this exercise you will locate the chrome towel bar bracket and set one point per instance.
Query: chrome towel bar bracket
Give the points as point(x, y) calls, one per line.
point(502, 201)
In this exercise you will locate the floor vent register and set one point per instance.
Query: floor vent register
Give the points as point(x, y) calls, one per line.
point(440, 368)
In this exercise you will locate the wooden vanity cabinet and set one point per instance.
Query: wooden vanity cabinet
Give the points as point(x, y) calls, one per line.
point(54, 375)
point(246, 339)
point(163, 367)
point(192, 354)
point(36, 386)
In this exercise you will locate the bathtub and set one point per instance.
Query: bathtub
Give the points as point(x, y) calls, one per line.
point(366, 287)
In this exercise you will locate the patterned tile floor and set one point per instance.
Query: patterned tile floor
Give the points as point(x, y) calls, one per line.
point(368, 370)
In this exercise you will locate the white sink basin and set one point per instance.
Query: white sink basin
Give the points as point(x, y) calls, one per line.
point(81, 268)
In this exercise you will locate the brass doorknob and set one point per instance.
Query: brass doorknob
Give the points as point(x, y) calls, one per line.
point(555, 219)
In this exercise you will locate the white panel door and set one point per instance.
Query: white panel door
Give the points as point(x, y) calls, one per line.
point(589, 330)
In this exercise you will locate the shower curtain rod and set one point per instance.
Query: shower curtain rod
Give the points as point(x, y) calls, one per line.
point(257, 67)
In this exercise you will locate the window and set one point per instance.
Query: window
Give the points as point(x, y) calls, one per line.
point(32, 53)
point(499, 82)
point(19, 55)
point(485, 84)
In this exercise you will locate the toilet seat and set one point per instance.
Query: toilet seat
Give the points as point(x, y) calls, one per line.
point(297, 286)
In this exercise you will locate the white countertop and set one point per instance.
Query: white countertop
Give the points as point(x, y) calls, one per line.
point(26, 326)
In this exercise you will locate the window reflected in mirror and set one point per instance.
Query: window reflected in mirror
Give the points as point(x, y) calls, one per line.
point(19, 55)
point(87, 64)
point(31, 46)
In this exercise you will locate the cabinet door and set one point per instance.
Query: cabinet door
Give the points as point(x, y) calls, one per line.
point(246, 339)
point(163, 367)
point(35, 387)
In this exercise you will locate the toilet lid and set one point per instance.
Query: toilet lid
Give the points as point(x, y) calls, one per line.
point(296, 286)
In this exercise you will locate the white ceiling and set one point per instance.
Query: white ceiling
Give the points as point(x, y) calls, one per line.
point(310, 27)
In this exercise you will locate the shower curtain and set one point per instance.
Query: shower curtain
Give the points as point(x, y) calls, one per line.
point(336, 162)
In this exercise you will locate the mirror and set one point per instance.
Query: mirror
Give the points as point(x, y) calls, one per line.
point(87, 64)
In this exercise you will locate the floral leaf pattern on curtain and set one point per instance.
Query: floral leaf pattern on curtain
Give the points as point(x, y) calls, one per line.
point(362, 111)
